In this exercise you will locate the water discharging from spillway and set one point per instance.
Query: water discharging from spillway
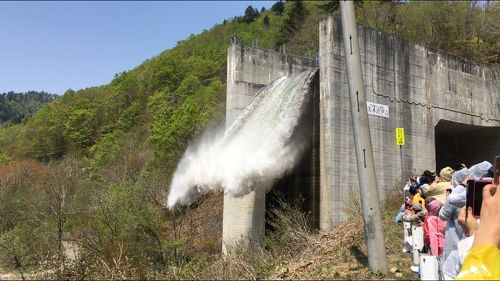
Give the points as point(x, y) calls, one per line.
point(253, 152)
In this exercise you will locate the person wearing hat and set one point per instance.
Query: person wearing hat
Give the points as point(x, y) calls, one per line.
point(438, 189)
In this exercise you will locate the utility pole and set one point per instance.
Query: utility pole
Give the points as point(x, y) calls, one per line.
point(374, 231)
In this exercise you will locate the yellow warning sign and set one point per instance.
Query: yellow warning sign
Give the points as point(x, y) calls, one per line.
point(400, 136)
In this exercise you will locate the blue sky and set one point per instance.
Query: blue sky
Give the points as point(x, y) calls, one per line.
point(54, 46)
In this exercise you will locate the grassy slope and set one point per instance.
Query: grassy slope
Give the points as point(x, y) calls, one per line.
point(341, 254)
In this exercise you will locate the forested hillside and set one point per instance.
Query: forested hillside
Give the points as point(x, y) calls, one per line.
point(91, 169)
point(14, 107)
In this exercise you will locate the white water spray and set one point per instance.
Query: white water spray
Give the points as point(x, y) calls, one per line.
point(253, 152)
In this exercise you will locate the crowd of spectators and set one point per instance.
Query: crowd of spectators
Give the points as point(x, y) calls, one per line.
point(451, 232)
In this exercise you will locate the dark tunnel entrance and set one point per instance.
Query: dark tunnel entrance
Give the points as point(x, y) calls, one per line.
point(300, 186)
point(462, 143)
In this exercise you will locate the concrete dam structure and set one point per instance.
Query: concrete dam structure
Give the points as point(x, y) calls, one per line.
point(449, 108)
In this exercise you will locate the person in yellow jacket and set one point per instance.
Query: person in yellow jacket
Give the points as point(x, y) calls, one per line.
point(417, 198)
point(483, 261)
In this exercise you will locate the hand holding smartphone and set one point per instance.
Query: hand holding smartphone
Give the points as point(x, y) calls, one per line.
point(496, 174)
point(489, 230)
point(474, 193)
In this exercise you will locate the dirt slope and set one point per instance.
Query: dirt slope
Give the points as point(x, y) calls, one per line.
point(341, 254)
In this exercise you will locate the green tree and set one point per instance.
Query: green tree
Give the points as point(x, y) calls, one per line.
point(106, 150)
point(453, 26)
point(130, 116)
point(43, 136)
point(68, 94)
point(250, 14)
point(332, 6)
point(193, 113)
point(14, 107)
point(79, 127)
point(266, 21)
point(279, 7)
point(295, 17)
point(126, 219)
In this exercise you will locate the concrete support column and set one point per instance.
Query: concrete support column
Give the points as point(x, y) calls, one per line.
point(244, 221)
point(243, 218)
point(329, 208)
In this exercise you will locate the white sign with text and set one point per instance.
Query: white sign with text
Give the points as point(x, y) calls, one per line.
point(377, 109)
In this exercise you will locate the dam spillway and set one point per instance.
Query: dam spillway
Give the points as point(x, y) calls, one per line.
point(256, 150)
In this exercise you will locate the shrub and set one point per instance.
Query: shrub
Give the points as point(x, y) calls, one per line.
point(3, 158)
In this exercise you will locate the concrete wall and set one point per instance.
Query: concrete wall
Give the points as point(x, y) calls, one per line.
point(404, 76)
point(248, 70)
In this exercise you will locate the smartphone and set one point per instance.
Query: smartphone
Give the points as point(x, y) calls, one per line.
point(474, 195)
point(469, 195)
point(496, 173)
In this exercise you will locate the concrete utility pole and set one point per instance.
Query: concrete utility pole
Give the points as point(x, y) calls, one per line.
point(374, 231)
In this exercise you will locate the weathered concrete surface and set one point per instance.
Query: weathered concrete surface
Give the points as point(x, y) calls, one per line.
point(408, 76)
point(248, 70)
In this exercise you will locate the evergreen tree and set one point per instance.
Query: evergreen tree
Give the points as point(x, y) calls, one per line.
point(14, 107)
point(250, 14)
point(293, 22)
point(333, 5)
point(278, 7)
point(296, 17)
point(265, 21)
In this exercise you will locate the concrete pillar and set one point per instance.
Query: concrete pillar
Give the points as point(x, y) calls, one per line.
point(329, 208)
point(244, 217)
point(244, 221)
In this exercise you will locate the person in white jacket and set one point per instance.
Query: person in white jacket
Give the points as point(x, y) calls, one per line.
point(454, 232)
point(450, 211)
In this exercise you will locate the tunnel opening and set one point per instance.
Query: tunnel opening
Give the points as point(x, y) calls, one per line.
point(300, 186)
point(458, 143)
